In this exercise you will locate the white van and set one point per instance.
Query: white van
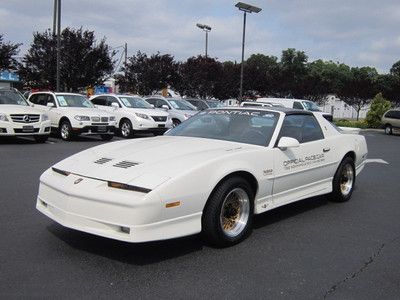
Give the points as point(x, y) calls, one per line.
point(297, 104)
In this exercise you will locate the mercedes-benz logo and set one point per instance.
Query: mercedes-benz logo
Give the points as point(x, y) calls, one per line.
point(26, 119)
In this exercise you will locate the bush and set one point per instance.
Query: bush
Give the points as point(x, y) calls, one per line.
point(349, 123)
point(379, 106)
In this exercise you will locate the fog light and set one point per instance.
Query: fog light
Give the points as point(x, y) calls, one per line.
point(126, 230)
point(47, 129)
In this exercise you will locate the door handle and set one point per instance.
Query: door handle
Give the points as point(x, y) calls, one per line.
point(326, 149)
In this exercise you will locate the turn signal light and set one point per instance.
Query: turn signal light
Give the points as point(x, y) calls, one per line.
point(173, 204)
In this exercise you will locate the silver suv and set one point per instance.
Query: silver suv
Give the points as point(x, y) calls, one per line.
point(178, 109)
point(391, 120)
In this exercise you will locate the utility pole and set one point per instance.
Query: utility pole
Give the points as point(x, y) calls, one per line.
point(58, 44)
point(126, 53)
point(55, 17)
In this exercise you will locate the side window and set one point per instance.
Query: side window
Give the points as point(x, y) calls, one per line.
point(303, 128)
point(202, 105)
point(50, 99)
point(99, 101)
point(111, 100)
point(41, 99)
point(160, 103)
point(34, 99)
point(152, 101)
point(396, 114)
point(297, 105)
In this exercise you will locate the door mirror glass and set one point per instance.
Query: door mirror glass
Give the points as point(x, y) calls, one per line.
point(288, 142)
point(50, 104)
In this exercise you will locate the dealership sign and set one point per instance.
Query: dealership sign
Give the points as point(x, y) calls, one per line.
point(9, 76)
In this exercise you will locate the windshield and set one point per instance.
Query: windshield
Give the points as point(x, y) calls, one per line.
point(214, 104)
point(311, 106)
point(134, 102)
point(242, 126)
point(12, 97)
point(181, 105)
point(73, 101)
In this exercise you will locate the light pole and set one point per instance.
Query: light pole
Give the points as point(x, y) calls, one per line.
point(57, 32)
point(246, 8)
point(207, 29)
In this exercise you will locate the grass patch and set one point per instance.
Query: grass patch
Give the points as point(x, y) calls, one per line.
point(351, 123)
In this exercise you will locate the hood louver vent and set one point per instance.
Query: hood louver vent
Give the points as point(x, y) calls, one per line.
point(125, 164)
point(102, 161)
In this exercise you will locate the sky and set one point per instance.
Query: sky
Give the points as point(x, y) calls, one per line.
point(354, 32)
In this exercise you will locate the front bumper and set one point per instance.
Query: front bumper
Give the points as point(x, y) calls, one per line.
point(93, 207)
point(94, 129)
point(22, 129)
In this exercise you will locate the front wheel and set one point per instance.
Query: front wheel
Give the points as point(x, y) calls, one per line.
point(66, 131)
point(228, 215)
point(343, 181)
point(126, 129)
point(388, 129)
point(175, 122)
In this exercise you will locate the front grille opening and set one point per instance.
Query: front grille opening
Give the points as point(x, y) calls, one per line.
point(103, 160)
point(125, 164)
point(44, 204)
point(126, 230)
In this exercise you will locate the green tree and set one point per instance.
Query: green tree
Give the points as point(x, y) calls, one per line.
point(293, 74)
point(227, 85)
point(359, 89)
point(379, 106)
point(84, 61)
point(261, 74)
point(200, 76)
point(8, 51)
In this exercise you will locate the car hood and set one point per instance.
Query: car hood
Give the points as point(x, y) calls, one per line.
point(19, 109)
point(149, 112)
point(147, 162)
point(86, 111)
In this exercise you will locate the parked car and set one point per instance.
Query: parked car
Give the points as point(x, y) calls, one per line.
point(297, 104)
point(257, 104)
point(133, 114)
point(178, 109)
point(391, 121)
point(18, 118)
point(202, 104)
point(72, 114)
point(210, 174)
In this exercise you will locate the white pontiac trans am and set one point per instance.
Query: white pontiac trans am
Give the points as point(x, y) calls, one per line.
point(210, 174)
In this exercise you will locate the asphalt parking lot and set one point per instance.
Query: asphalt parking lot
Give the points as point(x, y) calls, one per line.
point(312, 249)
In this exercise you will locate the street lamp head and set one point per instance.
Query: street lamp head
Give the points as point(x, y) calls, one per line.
point(204, 27)
point(247, 7)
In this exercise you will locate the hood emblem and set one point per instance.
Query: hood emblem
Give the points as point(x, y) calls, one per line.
point(26, 119)
point(78, 180)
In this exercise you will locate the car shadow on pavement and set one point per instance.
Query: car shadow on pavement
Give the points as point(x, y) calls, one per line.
point(288, 211)
point(137, 253)
point(17, 141)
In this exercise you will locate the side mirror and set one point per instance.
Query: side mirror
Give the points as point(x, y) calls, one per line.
point(152, 105)
point(114, 105)
point(50, 104)
point(165, 107)
point(288, 142)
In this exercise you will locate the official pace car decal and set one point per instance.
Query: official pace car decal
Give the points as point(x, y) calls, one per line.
point(238, 112)
point(303, 161)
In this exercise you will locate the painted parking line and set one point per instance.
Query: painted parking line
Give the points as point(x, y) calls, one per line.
point(376, 160)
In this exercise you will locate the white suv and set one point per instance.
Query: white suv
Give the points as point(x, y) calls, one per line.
point(73, 114)
point(133, 114)
point(17, 118)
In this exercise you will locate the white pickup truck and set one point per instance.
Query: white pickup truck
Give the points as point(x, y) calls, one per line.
point(17, 118)
point(72, 114)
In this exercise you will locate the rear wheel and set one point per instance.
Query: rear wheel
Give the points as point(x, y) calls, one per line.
point(228, 215)
point(106, 137)
point(126, 129)
point(66, 130)
point(343, 181)
point(41, 138)
point(388, 129)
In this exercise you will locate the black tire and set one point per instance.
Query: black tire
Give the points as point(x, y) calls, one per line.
point(157, 133)
point(175, 122)
point(212, 219)
point(66, 131)
point(388, 129)
point(343, 181)
point(106, 137)
point(125, 128)
point(41, 138)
